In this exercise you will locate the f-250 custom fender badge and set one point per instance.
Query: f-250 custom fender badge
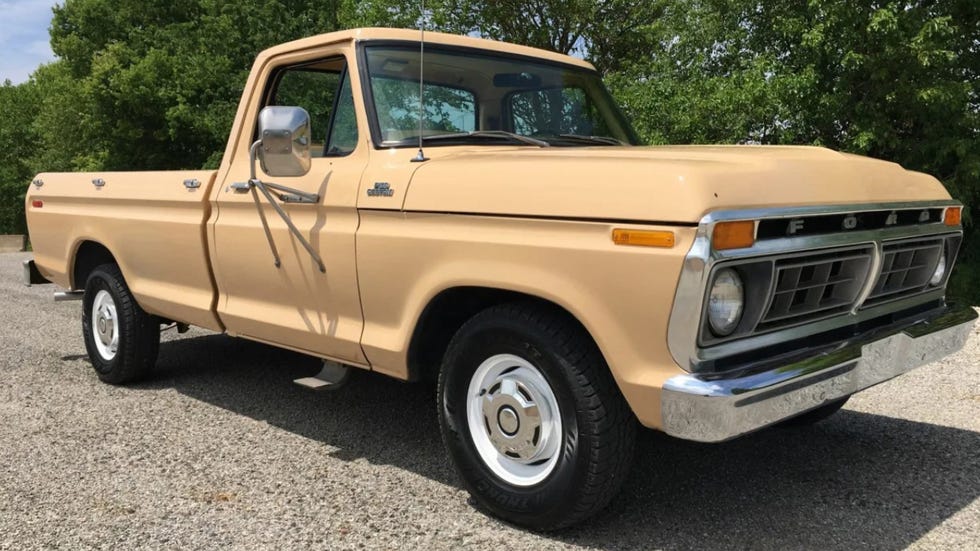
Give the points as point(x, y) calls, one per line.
point(381, 189)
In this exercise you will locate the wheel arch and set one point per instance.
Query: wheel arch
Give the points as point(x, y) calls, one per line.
point(449, 309)
point(88, 255)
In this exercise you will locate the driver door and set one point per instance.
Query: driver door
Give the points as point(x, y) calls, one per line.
point(295, 305)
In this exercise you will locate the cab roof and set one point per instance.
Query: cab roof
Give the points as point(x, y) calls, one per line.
point(413, 35)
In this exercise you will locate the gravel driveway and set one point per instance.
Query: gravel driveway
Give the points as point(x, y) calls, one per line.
point(220, 450)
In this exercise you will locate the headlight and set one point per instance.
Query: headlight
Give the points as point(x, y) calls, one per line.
point(725, 302)
point(940, 273)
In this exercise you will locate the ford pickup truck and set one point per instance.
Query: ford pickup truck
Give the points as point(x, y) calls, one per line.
point(482, 217)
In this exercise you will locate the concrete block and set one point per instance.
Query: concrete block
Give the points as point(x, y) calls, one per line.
point(12, 243)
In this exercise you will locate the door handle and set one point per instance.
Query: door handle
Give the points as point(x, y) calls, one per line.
point(192, 183)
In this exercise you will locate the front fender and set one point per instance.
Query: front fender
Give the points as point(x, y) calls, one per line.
point(622, 295)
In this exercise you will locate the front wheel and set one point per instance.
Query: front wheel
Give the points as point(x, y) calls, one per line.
point(533, 421)
point(122, 340)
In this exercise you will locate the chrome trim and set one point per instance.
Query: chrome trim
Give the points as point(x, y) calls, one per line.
point(763, 340)
point(817, 210)
point(712, 409)
point(65, 296)
point(685, 319)
point(877, 257)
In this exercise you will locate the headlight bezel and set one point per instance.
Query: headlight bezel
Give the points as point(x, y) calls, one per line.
point(729, 321)
point(756, 277)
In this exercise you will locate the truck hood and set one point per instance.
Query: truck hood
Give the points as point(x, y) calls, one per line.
point(676, 184)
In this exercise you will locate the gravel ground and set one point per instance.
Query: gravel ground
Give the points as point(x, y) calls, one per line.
point(221, 450)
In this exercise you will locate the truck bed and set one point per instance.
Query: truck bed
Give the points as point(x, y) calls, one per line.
point(153, 222)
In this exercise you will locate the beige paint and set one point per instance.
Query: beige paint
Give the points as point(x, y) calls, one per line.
point(622, 295)
point(536, 221)
point(151, 223)
point(294, 305)
point(632, 183)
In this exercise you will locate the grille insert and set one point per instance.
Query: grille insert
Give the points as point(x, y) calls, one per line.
point(814, 286)
point(906, 269)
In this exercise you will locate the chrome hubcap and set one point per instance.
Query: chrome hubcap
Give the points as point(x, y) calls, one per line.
point(514, 419)
point(105, 328)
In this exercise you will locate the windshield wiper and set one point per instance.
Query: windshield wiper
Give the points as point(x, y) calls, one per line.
point(487, 134)
point(605, 140)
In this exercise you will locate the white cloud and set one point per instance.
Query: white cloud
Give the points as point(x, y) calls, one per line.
point(24, 41)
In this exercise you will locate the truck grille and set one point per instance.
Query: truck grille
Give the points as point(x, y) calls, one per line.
point(814, 286)
point(906, 269)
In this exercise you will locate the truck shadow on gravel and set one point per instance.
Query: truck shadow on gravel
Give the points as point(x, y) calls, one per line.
point(855, 481)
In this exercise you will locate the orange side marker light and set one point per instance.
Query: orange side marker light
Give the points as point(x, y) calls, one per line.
point(954, 216)
point(643, 238)
point(733, 235)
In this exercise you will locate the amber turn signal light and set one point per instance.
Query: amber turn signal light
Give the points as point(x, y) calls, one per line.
point(954, 216)
point(643, 238)
point(733, 235)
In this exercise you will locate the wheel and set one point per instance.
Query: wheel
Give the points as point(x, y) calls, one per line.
point(121, 339)
point(815, 415)
point(532, 418)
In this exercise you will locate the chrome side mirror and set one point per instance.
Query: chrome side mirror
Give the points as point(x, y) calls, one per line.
point(284, 136)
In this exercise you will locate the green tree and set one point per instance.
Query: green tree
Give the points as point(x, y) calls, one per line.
point(156, 82)
point(17, 143)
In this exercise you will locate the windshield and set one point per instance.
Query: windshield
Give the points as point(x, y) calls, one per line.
point(480, 97)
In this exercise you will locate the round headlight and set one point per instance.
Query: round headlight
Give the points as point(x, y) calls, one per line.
point(725, 302)
point(940, 273)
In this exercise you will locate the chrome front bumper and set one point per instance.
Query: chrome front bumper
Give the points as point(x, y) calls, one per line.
point(716, 408)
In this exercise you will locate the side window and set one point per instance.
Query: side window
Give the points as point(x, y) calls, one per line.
point(447, 109)
point(324, 91)
point(555, 111)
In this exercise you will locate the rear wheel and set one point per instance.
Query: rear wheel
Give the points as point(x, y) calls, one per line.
point(532, 418)
point(122, 340)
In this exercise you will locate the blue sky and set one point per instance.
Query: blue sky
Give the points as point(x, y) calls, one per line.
point(24, 40)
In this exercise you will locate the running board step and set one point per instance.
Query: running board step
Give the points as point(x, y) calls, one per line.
point(331, 377)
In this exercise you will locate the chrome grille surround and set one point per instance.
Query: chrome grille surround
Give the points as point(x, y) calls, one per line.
point(692, 349)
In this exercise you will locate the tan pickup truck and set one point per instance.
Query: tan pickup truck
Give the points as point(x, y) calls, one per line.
point(507, 238)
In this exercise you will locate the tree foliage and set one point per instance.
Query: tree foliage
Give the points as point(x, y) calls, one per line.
point(154, 84)
point(17, 141)
point(149, 84)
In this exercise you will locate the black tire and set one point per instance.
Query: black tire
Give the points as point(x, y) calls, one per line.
point(815, 415)
point(138, 332)
point(598, 429)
